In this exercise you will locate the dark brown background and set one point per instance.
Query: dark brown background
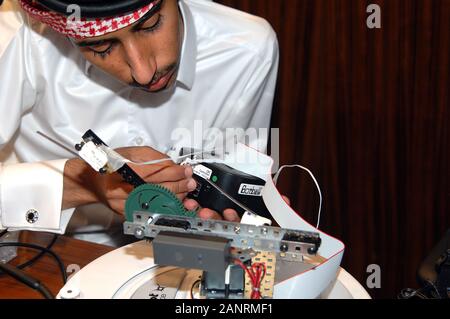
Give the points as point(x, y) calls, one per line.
point(368, 112)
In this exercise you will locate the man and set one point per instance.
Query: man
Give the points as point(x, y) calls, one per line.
point(134, 72)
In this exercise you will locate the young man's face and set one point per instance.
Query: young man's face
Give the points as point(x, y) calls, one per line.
point(145, 54)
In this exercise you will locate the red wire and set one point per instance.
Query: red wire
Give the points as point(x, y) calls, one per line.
point(256, 273)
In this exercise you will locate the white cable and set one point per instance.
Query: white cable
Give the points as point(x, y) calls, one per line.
point(277, 175)
point(158, 161)
point(117, 160)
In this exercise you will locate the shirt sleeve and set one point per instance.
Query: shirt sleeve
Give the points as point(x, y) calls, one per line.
point(31, 197)
point(254, 107)
point(30, 193)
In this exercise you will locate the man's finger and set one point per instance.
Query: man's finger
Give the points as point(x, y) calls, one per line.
point(180, 187)
point(231, 215)
point(191, 204)
point(182, 196)
point(207, 213)
point(171, 173)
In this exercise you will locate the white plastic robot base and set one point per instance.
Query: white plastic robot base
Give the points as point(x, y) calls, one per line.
point(129, 273)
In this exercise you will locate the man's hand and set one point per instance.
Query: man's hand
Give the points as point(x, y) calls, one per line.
point(229, 215)
point(205, 213)
point(82, 185)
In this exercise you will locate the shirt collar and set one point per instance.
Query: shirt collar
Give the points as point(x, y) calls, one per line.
point(188, 60)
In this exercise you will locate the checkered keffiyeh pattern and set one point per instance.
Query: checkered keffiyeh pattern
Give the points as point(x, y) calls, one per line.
point(83, 28)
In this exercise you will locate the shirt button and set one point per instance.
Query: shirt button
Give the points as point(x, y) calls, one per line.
point(139, 141)
point(32, 216)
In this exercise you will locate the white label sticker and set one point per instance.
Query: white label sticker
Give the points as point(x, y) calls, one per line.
point(203, 171)
point(250, 190)
point(94, 156)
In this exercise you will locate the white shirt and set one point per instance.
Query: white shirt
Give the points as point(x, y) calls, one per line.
point(227, 79)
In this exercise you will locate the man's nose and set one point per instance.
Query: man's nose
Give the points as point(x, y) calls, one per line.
point(141, 62)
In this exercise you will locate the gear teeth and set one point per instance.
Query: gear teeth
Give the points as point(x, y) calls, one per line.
point(169, 200)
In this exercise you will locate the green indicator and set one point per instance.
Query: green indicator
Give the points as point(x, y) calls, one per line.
point(214, 179)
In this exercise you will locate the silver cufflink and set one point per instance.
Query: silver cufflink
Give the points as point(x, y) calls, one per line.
point(32, 216)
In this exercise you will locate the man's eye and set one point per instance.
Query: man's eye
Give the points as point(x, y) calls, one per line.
point(155, 25)
point(103, 53)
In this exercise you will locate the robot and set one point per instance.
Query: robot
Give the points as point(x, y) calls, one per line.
point(183, 257)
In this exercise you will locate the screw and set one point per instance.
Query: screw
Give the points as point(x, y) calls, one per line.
point(79, 147)
point(139, 233)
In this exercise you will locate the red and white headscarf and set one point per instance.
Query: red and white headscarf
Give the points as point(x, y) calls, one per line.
point(83, 28)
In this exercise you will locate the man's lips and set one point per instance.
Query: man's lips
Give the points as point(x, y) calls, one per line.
point(162, 82)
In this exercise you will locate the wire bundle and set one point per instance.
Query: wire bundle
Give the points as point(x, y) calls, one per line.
point(256, 273)
point(17, 273)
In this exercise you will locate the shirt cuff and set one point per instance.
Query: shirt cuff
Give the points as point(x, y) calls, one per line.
point(31, 197)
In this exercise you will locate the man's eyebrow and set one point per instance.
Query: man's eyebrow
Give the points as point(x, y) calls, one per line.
point(147, 16)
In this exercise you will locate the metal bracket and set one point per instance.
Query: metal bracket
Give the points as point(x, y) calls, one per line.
point(291, 245)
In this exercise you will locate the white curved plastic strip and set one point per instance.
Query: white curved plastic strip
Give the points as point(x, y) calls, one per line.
point(313, 282)
point(306, 285)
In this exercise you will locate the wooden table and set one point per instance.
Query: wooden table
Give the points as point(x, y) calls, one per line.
point(71, 251)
